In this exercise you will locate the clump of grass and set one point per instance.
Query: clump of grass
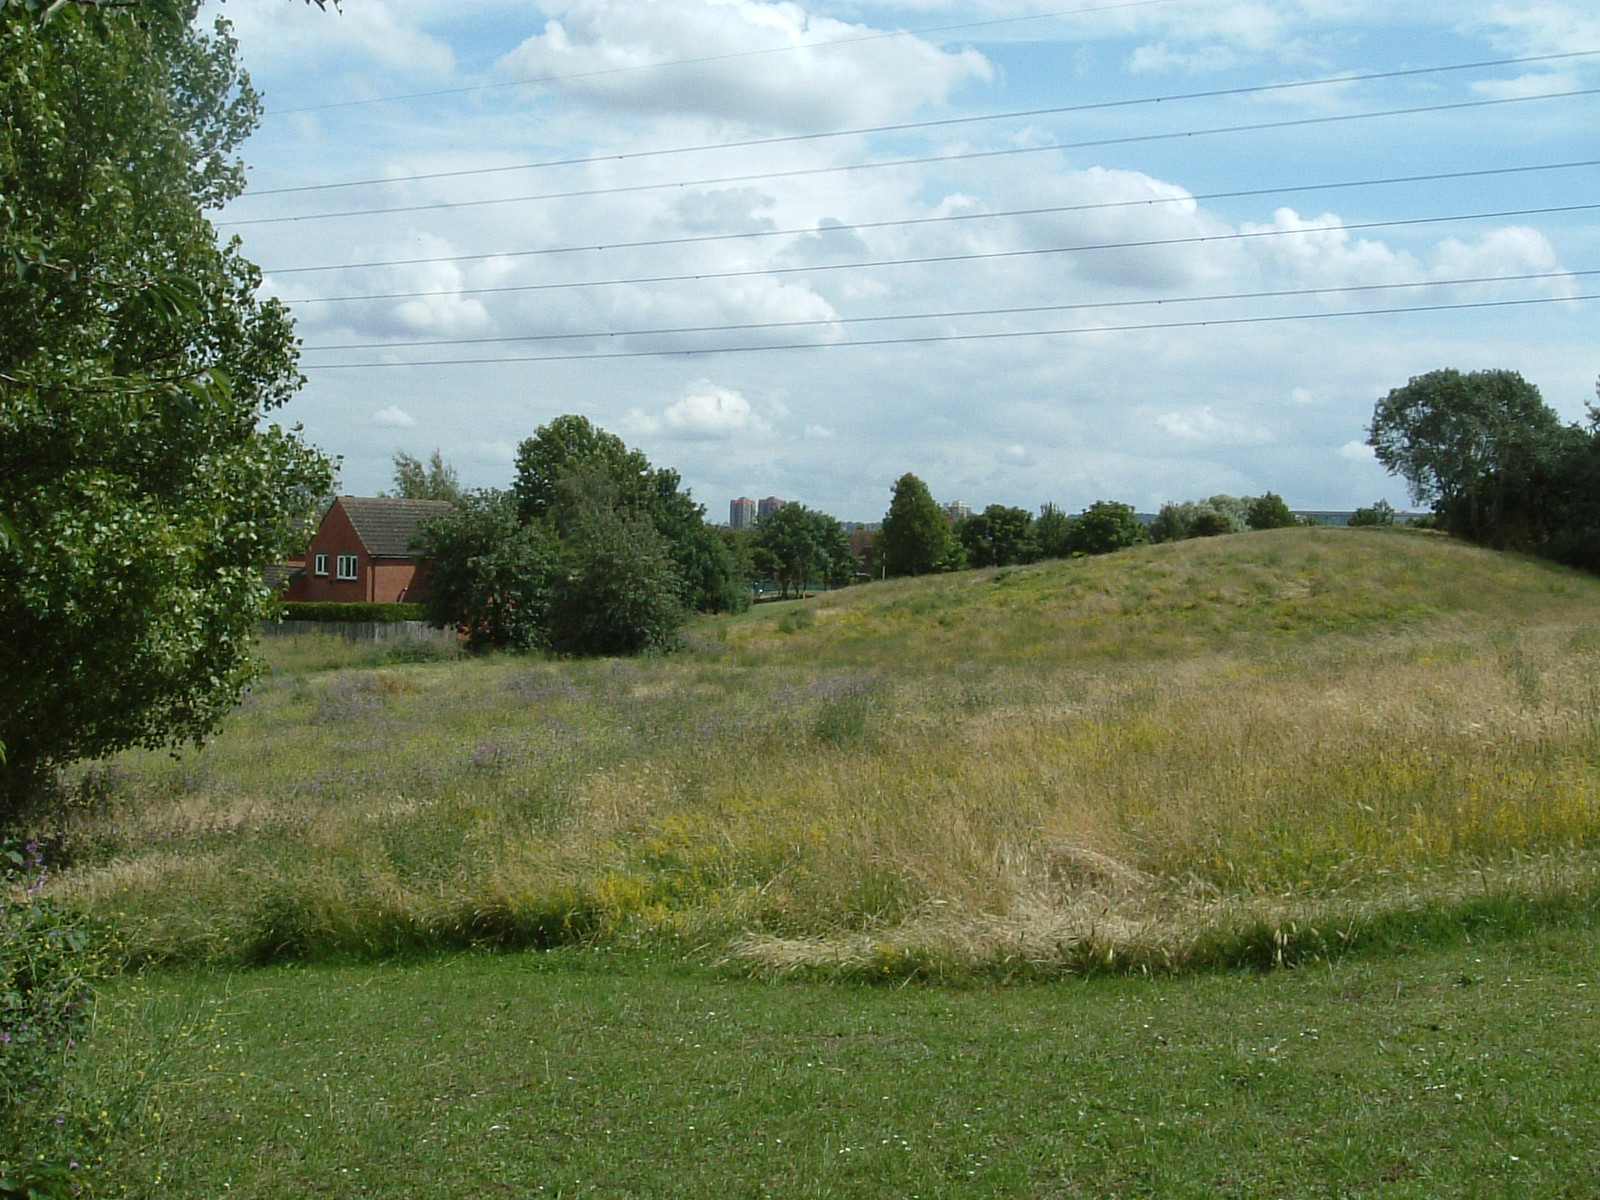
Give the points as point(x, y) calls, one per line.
point(1306, 729)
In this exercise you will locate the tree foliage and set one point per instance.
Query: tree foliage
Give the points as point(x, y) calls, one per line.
point(915, 538)
point(1483, 449)
point(1270, 512)
point(491, 575)
point(997, 537)
point(797, 545)
point(1105, 526)
point(1051, 531)
point(142, 495)
point(1380, 513)
point(592, 551)
point(571, 446)
point(431, 480)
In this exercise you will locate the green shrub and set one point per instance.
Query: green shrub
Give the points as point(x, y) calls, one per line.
point(1381, 513)
point(795, 620)
point(47, 972)
point(337, 610)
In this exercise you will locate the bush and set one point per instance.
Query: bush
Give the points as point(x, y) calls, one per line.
point(1381, 513)
point(47, 972)
point(338, 610)
point(1104, 527)
point(1270, 512)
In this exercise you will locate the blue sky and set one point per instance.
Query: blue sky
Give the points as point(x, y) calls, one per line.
point(582, 175)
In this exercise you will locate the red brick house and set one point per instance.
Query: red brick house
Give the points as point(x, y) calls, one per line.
point(362, 551)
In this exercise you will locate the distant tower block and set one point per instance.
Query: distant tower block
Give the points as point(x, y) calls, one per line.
point(769, 506)
point(957, 510)
point(741, 513)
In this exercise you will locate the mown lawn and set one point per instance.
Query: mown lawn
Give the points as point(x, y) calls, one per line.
point(1457, 1071)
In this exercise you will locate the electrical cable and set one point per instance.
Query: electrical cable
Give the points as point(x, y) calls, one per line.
point(685, 62)
point(942, 122)
point(912, 221)
point(942, 258)
point(953, 337)
point(965, 156)
point(971, 312)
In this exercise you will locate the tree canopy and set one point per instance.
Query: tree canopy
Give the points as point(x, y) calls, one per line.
point(797, 545)
point(142, 494)
point(1270, 512)
point(915, 538)
point(1482, 448)
point(431, 480)
point(997, 537)
point(1103, 527)
point(592, 551)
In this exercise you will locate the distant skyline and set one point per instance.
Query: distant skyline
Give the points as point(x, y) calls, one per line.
point(780, 248)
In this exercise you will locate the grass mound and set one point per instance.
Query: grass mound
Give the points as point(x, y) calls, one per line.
point(1246, 749)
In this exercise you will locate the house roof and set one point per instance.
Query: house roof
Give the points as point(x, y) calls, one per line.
point(386, 525)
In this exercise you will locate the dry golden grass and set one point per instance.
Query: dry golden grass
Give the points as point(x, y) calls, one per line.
point(1132, 759)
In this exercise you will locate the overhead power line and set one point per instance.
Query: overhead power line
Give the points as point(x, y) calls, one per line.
point(746, 235)
point(820, 44)
point(965, 156)
point(943, 122)
point(1199, 239)
point(1154, 302)
point(956, 337)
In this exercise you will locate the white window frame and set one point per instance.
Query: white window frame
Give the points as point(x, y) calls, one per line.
point(349, 567)
point(321, 565)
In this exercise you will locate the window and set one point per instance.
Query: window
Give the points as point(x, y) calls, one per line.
point(347, 566)
point(321, 567)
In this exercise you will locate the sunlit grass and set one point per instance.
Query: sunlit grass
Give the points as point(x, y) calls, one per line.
point(1158, 758)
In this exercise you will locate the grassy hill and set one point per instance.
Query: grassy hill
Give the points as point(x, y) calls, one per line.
point(1244, 749)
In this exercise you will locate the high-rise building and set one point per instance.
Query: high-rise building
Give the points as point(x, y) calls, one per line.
point(741, 513)
point(957, 510)
point(769, 506)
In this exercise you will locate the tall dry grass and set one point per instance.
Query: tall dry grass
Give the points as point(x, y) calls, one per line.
point(1253, 746)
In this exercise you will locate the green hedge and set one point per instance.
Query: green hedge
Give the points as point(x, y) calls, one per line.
point(335, 610)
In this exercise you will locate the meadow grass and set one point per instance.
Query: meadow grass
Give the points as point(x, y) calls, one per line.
point(1265, 747)
point(1463, 1071)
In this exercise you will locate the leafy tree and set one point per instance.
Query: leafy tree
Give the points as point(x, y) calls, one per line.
point(433, 480)
point(1208, 522)
point(1576, 540)
point(1105, 526)
point(1380, 514)
point(571, 445)
point(491, 575)
point(1483, 449)
point(998, 537)
point(1270, 512)
point(618, 592)
point(142, 493)
point(1051, 530)
point(1199, 518)
point(915, 538)
point(797, 544)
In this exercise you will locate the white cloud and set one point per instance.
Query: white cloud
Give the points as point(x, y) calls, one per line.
point(1357, 452)
point(706, 412)
point(818, 432)
point(393, 417)
point(1204, 426)
point(369, 33)
point(758, 63)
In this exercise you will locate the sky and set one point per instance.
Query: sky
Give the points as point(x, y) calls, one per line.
point(1029, 250)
